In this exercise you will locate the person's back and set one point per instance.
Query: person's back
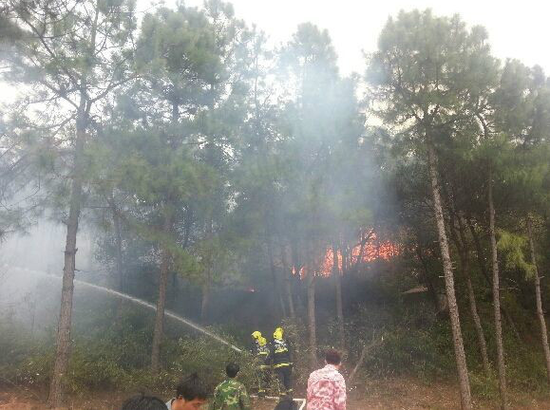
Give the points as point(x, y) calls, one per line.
point(230, 394)
point(326, 387)
point(143, 403)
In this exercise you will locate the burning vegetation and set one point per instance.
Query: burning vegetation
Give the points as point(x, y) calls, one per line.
point(368, 249)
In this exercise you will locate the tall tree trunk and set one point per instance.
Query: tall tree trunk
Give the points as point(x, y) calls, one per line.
point(345, 258)
point(477, 322)
point(463, 251)
point(205, 301)
point(158, 333)
point(278, 303)
point(175, 290)
point(298, 264)
point(172, 295)
point(311, 319)
point(481, 261)
point(540, 312)
point(339, 307)
point(63, 339)
point(207, 284)
point(460, 355)
point(482, 344)
point(120, 279)
point(427, 280)
point(496, 297)
point(479, 252)
point(288, 284)
point(118, 240)
point(282, 304)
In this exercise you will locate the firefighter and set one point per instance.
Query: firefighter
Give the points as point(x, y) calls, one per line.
point(263, 368)
point(281, 360)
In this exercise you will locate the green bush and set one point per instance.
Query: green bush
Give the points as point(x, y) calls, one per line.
point(416, 352)
point(93, 368)
point(24, 359)
point(208, 357)
point(117, 357)
point(483, 386)
point(525, 367)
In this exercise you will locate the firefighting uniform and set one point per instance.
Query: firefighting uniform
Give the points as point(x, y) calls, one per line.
point(281, 361)
point(263, 367)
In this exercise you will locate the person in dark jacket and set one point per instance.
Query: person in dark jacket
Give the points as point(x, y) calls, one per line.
point(143, 403)
point(286, 403)
point(281, 360)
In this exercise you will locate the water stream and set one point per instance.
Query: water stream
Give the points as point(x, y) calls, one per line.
point(142, 303)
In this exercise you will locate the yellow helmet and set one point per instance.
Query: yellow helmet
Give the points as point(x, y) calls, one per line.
point(256, 334)
point(278, 333)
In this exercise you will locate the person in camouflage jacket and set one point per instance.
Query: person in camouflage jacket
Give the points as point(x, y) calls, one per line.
point(230, 394)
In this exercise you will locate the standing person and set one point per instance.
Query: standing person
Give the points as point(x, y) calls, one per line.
point(281, 359)
point(191, 394)
point(326, 387)
point(261, 359)
point(230, 394)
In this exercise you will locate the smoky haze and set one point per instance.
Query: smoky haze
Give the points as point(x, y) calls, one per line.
point(176, 162)
point(516, 29)
point(32, 298)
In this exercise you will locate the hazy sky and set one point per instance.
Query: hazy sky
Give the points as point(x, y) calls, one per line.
point(517, 29)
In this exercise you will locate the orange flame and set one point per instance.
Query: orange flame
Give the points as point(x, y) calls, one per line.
point(370, 251)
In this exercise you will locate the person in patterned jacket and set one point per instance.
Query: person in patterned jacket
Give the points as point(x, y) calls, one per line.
point(326, 387)
point(230, 394)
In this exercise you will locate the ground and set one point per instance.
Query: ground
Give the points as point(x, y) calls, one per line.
point(388, 394)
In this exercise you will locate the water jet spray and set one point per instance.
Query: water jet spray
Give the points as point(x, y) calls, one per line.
point(141, 302)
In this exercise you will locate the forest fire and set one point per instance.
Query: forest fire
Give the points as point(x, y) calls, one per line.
point(369, 249)
point(369, 252)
